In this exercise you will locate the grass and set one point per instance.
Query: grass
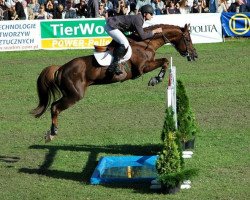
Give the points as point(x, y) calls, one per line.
point(125, 119)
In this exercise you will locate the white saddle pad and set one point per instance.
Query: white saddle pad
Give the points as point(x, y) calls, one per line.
point(106, 58)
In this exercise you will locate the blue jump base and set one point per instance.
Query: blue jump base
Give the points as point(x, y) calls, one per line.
point(124, 169)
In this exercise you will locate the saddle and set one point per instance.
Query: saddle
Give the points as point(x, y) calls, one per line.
point(104, 55)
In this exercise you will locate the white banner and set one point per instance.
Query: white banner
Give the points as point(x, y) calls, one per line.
point(19, 35)
point(205, 27)
point(26, 34)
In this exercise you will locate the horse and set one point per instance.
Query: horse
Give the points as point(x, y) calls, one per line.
point(72, 79)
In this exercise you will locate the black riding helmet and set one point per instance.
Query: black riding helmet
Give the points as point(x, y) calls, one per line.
point(147, 9)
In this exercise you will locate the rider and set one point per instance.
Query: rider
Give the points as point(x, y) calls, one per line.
point(117, 25)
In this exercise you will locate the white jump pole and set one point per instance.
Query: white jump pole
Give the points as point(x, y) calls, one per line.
point(171, 90)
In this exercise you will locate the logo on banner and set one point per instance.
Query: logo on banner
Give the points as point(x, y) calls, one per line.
point(239, 24)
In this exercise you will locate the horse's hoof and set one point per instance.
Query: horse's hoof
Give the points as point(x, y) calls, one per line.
point(48, 137)
point(153, 81)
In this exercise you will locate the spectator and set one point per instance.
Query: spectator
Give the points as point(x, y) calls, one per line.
point(184, 9)
point(195, 8)
point(19, 10)
point(24, 4)
point(232, 5)
point(171, 8)
point(222, 6)
point(158, 6)
point(70, 10)
point(34, 6)
point(13, 13)
point(93, 8)
point(81, 9)
point(5, 13)
point(1, 14)
point(108, 4)
point(49, 7)
point(42, 2)
point(213, 6)
point(244, 5)
point(115, 4)
point(102, 11)
point(122, 8)
point(141, 3)
point(132, 9)
point(190, 4)
point(63, 2)
point(42, 14)
point(203, 6)
point(28, 12)
point(59, 12)
point(199, 7)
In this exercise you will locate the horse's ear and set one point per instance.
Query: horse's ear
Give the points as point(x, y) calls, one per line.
point(186, 27)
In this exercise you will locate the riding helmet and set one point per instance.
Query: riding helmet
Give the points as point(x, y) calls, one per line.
point(147, 9)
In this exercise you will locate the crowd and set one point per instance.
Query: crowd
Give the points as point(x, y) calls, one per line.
point(64, 9)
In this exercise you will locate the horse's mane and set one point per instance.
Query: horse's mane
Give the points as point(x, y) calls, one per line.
point(136, 38)
point(163, 26)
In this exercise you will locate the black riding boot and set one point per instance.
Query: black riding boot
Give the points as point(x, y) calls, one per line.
point(118, 53)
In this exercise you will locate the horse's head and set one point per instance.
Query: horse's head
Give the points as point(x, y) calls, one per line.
point(181, 40)
point(184, 44)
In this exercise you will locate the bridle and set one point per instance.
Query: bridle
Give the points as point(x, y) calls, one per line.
point(166, 40)
point(186, 41)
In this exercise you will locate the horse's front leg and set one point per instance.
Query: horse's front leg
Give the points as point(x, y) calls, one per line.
point(161, 62)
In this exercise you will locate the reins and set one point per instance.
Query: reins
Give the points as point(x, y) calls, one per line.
point(165, 39)
point(150, 41)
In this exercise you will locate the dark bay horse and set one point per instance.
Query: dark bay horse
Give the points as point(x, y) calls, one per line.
point(72, 79)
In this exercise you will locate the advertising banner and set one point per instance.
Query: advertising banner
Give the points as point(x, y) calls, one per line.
point(236, 24)
point(85, 33)
point(204, 27)
point(19, 35)
point(73, 34)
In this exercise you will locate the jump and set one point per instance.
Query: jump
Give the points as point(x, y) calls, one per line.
point(72, 79)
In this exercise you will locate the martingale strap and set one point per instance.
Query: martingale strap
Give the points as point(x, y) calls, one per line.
point(56, 76)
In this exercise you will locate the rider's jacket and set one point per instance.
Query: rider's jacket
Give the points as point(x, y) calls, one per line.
point(132, 23)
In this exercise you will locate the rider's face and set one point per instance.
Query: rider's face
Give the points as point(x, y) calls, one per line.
point(148, 16)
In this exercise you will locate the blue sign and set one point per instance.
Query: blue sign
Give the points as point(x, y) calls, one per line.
point(236, 24)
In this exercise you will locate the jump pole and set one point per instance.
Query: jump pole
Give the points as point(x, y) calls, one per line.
point(171, 90)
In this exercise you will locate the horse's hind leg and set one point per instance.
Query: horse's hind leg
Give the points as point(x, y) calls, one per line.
point(62, 104)
point(161, 62)
point(56, 108)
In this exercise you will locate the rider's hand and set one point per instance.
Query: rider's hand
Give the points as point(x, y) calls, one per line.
point(158, 30)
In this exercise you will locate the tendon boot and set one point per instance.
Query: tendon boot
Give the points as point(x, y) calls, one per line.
point(118, 54)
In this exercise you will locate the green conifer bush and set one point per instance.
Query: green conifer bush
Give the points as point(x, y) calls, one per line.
point(187, 126)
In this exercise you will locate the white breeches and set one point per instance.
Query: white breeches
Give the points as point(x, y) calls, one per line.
point(117, 35)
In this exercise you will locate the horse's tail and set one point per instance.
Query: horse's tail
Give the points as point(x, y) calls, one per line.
point(46, 90)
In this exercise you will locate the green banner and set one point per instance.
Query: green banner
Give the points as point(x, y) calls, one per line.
point(73, 29)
